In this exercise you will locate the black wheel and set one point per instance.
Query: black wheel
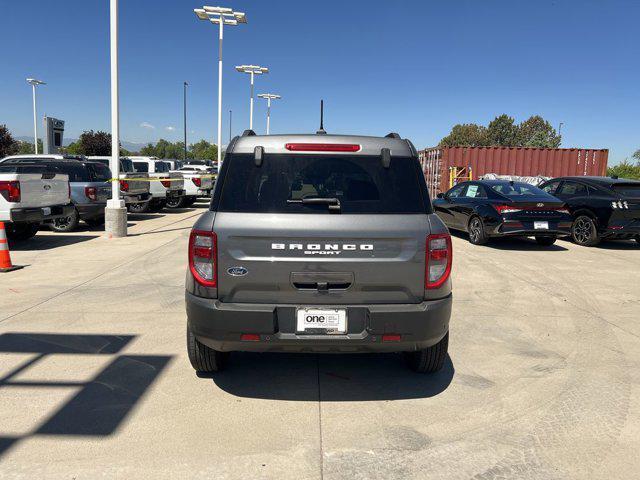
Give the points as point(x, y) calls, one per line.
point(429, 360)
point(546, 241)
point(190, 201)
point(142, 207)
point(95, 222)
point(66, 224)
point(477, 235)
point(176, 202)
point(584, 231)
point(204, 359)
point(21, 231)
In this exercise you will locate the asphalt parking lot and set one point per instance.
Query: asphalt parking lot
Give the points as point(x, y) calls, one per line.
point(542, 380)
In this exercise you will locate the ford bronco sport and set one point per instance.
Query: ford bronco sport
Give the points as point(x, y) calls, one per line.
point(319, 243)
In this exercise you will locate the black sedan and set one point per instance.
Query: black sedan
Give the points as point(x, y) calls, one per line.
point(499, 208)
point(602, 207)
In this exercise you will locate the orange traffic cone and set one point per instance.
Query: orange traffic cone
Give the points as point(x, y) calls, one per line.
point(5, 258)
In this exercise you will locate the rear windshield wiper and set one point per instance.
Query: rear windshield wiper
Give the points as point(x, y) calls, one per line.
point(334, 203)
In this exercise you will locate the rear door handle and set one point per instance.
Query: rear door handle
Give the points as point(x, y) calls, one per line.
point(322, 281)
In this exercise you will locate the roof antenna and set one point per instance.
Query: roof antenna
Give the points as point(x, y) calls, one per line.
point(322, 130)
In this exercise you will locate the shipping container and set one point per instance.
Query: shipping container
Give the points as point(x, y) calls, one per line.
point(445, 166)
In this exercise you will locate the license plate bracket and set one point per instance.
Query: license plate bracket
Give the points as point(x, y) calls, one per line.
point(322, 321)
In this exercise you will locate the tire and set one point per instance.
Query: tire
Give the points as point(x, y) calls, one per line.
point(584, 231)
point(95, 222)
point(179, 202)
point(546, 241)
point(190, 201)
point(142, 207)
point(157, 206)
point(477, 235)
point(22, 231)
point(204, 359)
point(66, 224)
point(429, 360)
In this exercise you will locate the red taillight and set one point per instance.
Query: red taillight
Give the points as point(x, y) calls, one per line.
point(166, 183)
point(196, 181)
point(124, 185)
point(391, 337)
point(250, 337)
point(502, 209)
point(203, 257)
point(439, 255)
point(91, 193)
point(10, 190)
point(322, 147)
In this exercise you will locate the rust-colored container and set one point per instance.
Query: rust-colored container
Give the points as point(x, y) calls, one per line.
point(444, 166)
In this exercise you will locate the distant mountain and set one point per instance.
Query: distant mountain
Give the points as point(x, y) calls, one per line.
point(131, 146)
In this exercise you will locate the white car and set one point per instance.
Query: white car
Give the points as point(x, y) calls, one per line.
point(31, 195)
point(164, 185)
point(198, 183)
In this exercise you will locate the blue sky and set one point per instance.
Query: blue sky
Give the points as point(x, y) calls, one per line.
point(415, 67)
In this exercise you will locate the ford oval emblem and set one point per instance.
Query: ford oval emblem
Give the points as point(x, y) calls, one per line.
point(237, 271)
point(47, 187)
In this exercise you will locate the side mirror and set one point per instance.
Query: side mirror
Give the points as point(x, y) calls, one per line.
point(258, 155)
point(440, 195)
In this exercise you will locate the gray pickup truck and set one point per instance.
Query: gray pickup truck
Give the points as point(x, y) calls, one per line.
point(319, 243)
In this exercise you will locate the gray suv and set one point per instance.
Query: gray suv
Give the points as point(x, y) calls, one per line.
point(319, 243)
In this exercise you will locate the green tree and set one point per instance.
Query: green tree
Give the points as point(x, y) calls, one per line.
point(502, 131)
point(94, 143)
point(204, 150)
point(26, 148)
point(626, 169)
point(537, 132)
point(8, 146)
point(148, 151)
point(466, 135)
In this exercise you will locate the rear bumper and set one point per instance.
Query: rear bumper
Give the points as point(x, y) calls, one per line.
point(91, 210)
point(132, 199)
point(622, 229)
point(204, 192)
point(526, 229)
point(219, 326)
point(40, 214)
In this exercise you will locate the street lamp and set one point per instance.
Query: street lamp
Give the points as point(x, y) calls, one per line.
point(115, 213)
point(252, 70)
point(269, 97)
point(34, 83)
point(184, 104)
point(221, 16)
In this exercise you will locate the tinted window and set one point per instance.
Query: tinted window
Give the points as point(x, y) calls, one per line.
point(98, 172)
point(361, 184)
point(77, 171)
point(456, 191)
point(512, 189)
point(551, 187)
point(573, 188)
point(161, 167)
point(141, 167)
point(126, 165)
point(475, 191)
point(19, 168)
point(628, 190)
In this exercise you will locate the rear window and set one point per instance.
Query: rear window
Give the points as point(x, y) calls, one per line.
point(23, 168)
point(361, 184)
point(141, 167)
point(162, 167)
point(517, 189)
point(99, 172)
point(126, 165)
point(628, 190)
point(77, 171)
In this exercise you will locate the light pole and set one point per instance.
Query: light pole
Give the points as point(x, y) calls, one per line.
point(34, 83)
point(560, 128)
point(252, 70)
point(269, 97)
point(221, 16)
point(230, 120)
point(184, 101)
point(115, 214)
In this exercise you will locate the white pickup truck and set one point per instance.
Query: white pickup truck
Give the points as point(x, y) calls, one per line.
point(164, 185)
point(198, 183)
point(29, 196)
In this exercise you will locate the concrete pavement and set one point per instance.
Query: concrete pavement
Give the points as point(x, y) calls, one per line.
point(542, 381)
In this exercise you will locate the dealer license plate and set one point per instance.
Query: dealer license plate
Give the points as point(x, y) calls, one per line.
point(320, 320)
point(46, 211)
point(541, 225)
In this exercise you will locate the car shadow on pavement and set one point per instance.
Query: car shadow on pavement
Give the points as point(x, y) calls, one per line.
point(617, 245)
point(100, 404)
point(180, 210)
point(47, 242)
point(136, 217)
point(330, 377)
point(518, 243)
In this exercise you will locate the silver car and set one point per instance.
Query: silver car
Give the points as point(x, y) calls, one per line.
point(319, 243)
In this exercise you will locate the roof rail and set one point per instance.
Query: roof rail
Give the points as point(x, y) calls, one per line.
point(248, 133)
point(392, 135)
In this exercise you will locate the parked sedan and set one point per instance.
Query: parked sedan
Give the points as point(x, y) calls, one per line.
point(498, 208)
point(601, 207)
